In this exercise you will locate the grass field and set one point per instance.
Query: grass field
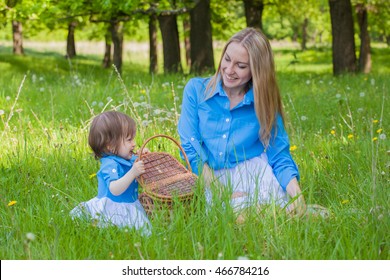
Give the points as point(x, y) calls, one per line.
point(338, 126)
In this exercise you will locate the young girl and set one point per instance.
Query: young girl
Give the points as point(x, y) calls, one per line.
point(111, 138)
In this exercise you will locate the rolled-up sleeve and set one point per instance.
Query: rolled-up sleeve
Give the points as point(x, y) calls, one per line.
point(279, 156)
point(188, 126)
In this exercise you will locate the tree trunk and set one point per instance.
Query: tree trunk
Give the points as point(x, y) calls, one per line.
point(304, 33)
point(365, 51)
point(70, 42)
point(107, 50)
point(117, 39)
point(343, 44)
point(17, 37)
point(187, 43)
point(254, 13)
point(153, 67)
point(202, 56)
point(171, 43)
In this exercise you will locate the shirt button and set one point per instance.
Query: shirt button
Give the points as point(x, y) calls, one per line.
point(192, 138)
point(227, 120)
point(224, 136)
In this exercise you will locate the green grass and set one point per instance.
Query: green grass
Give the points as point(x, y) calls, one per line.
point(338, 126)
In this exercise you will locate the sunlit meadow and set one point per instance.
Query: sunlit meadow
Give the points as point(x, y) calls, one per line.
point(339, 132)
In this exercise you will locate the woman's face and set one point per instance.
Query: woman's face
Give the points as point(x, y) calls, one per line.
point(235, 70)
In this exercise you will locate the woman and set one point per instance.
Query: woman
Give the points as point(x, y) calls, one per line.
point(232, 127)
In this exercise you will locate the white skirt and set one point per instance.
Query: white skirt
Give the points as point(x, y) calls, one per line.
point(107, 212)
point(250, 183)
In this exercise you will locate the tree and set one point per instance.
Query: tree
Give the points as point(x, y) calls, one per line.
point(254, 13)
point(343, 44)
point(365, 49)
point(70, 41)
point(171, 43)
point(202, 57)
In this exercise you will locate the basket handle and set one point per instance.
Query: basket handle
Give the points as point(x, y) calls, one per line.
point(170, 138)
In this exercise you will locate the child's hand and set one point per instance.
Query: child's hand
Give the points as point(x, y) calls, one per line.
point(138, 168)
point(144, 151)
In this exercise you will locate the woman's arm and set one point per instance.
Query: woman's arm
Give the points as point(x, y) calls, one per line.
point(119, 186)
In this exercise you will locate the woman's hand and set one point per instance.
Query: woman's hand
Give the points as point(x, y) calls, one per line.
point(298, 204)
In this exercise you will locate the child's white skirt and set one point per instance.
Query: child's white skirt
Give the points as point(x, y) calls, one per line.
point(250, 183)
point(107, 212)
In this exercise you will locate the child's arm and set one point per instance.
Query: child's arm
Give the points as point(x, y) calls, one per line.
point(119, 186)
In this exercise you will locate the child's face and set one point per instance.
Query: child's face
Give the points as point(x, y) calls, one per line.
point(125, 149)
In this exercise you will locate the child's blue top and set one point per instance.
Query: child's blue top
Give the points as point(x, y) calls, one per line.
point(212, 133)
point(112, 168)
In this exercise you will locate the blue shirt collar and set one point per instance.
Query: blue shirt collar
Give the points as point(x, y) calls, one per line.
point(120, 160)
point(248, 98)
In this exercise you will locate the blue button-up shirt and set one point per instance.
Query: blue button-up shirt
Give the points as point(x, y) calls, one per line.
point(111, 169)
point(212, 133)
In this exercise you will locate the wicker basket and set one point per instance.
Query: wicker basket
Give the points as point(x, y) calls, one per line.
point(165, 178)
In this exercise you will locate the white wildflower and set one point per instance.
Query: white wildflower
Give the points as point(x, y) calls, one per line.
point(360, 110)
point(101, 104)
point(338, 95)
point(8, 98)
point(362, 94)
point(93, 103)
point(42, 89)
point(308, 82)
point(382, 136)
point(303, 118)
point(30, 236)
point(41, 79)
point(2, 112)
point(372, 82)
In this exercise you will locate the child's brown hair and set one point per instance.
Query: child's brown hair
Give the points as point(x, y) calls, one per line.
point(108, 130)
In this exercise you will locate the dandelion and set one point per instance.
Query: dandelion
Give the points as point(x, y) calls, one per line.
point(30, 236)
point(379, 130)
point(109, 99)
point(338, 95)
point(350, 136)
point(303, 118)
point(362, 94)
point(2, 112)
point(372, 82)
point(101, 104)
point(374, 139)
point(375, 121)
point(142, 91)
point(308, 82)
point(8, 98)
point(345, 201)
point(145, 123)
point(42, 89)
point(333, 132)
point(92, 175)
point(382, 136)
point(12, 202)
point(94, 103)
point(293, 148)
point(360, 110)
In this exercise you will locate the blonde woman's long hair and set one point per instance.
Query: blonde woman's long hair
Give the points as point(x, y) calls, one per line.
point(266, 93)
